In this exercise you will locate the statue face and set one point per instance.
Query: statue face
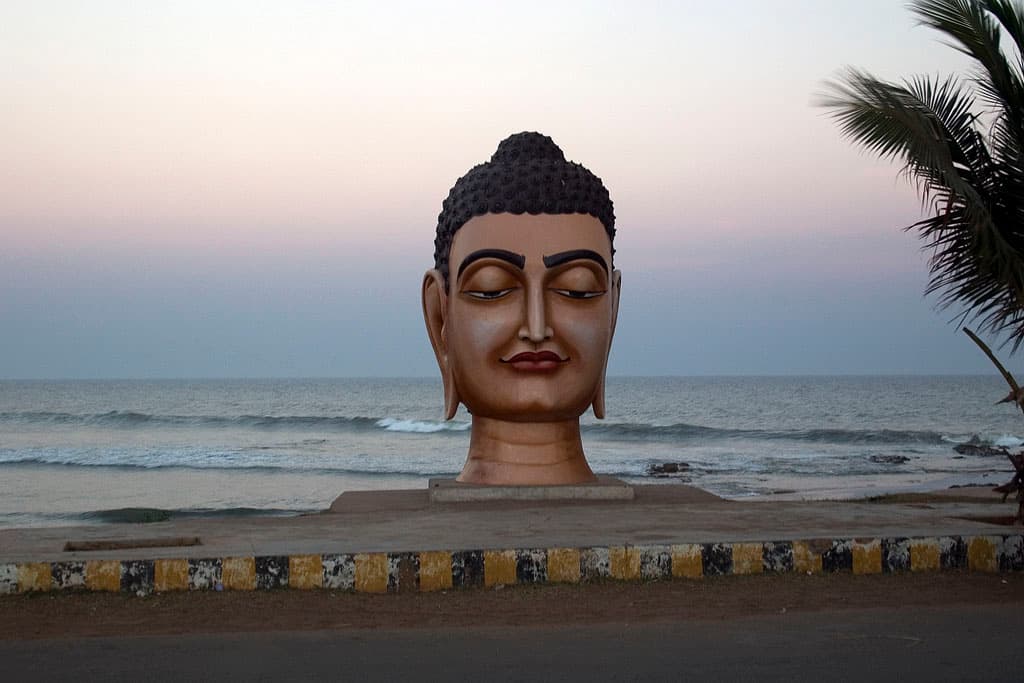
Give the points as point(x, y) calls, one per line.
point(528, 318)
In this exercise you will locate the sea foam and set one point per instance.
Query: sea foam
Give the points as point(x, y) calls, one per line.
point(392, 424)
point(1008, 441)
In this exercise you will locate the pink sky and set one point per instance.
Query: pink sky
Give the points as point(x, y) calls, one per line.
point(276, 153)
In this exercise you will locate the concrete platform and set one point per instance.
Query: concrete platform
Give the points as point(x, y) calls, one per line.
point(399, 540)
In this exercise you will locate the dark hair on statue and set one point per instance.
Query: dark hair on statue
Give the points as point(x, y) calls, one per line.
point(527, 174)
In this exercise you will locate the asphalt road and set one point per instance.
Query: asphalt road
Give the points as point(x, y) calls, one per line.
point(954, 643)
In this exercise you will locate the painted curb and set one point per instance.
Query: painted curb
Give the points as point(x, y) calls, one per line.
point(434, 570)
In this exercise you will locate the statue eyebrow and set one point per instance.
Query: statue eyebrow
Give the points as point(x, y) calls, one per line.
point(573, 255)
point(517, 260)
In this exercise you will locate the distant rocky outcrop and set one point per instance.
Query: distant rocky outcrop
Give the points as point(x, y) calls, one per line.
point(979, 449)
point(889, 459)
point(668, 469)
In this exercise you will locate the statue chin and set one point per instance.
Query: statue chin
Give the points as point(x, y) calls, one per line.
point(535, 445)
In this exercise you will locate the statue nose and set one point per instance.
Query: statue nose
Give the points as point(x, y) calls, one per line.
point(535, 326)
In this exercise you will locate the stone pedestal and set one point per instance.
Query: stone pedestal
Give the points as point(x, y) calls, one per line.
point(451, 491)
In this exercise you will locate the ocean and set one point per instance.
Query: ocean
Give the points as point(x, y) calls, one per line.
point(89, 452)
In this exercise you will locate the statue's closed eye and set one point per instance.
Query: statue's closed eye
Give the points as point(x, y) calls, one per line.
point(580, 282)
point(488, 282)
point(488, 294)
point(579, 294)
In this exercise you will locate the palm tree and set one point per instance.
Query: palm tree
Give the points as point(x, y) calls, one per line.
point(961, 140)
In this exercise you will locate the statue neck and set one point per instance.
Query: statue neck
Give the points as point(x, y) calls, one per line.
point(525, 453)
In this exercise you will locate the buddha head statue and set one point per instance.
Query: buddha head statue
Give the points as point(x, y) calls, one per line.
point(520, 308)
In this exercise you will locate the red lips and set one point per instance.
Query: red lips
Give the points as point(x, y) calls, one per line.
point(535, 357)
point(535, 360)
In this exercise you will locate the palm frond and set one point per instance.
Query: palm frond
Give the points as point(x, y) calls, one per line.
point(971, 183)
point(974, 28)
point(926, 125)
point(1011, 17)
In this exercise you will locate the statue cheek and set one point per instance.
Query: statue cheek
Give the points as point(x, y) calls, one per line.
point(589, 335)
point(476, 330)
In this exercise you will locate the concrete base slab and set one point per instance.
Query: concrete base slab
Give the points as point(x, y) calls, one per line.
point(362, 502)
point(384, 541)
point(451, 491)
point(676, 494)
point(419, 500)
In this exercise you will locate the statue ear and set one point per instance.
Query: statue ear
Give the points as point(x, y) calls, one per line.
point(599, 394)
point(435, 308)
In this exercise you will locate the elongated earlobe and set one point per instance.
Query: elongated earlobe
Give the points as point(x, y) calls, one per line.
point(435, 307)
point(599, 399)
point(451, 395)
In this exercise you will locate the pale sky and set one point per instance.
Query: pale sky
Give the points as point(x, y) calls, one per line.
point(250, 189)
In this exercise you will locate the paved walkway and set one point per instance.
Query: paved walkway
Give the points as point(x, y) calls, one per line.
point(943, 643)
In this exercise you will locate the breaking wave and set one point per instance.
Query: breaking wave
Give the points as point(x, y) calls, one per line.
point(1008, 441)
point(128, 419)
point(421, 426)
point(624, 431)
point(171, 461)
